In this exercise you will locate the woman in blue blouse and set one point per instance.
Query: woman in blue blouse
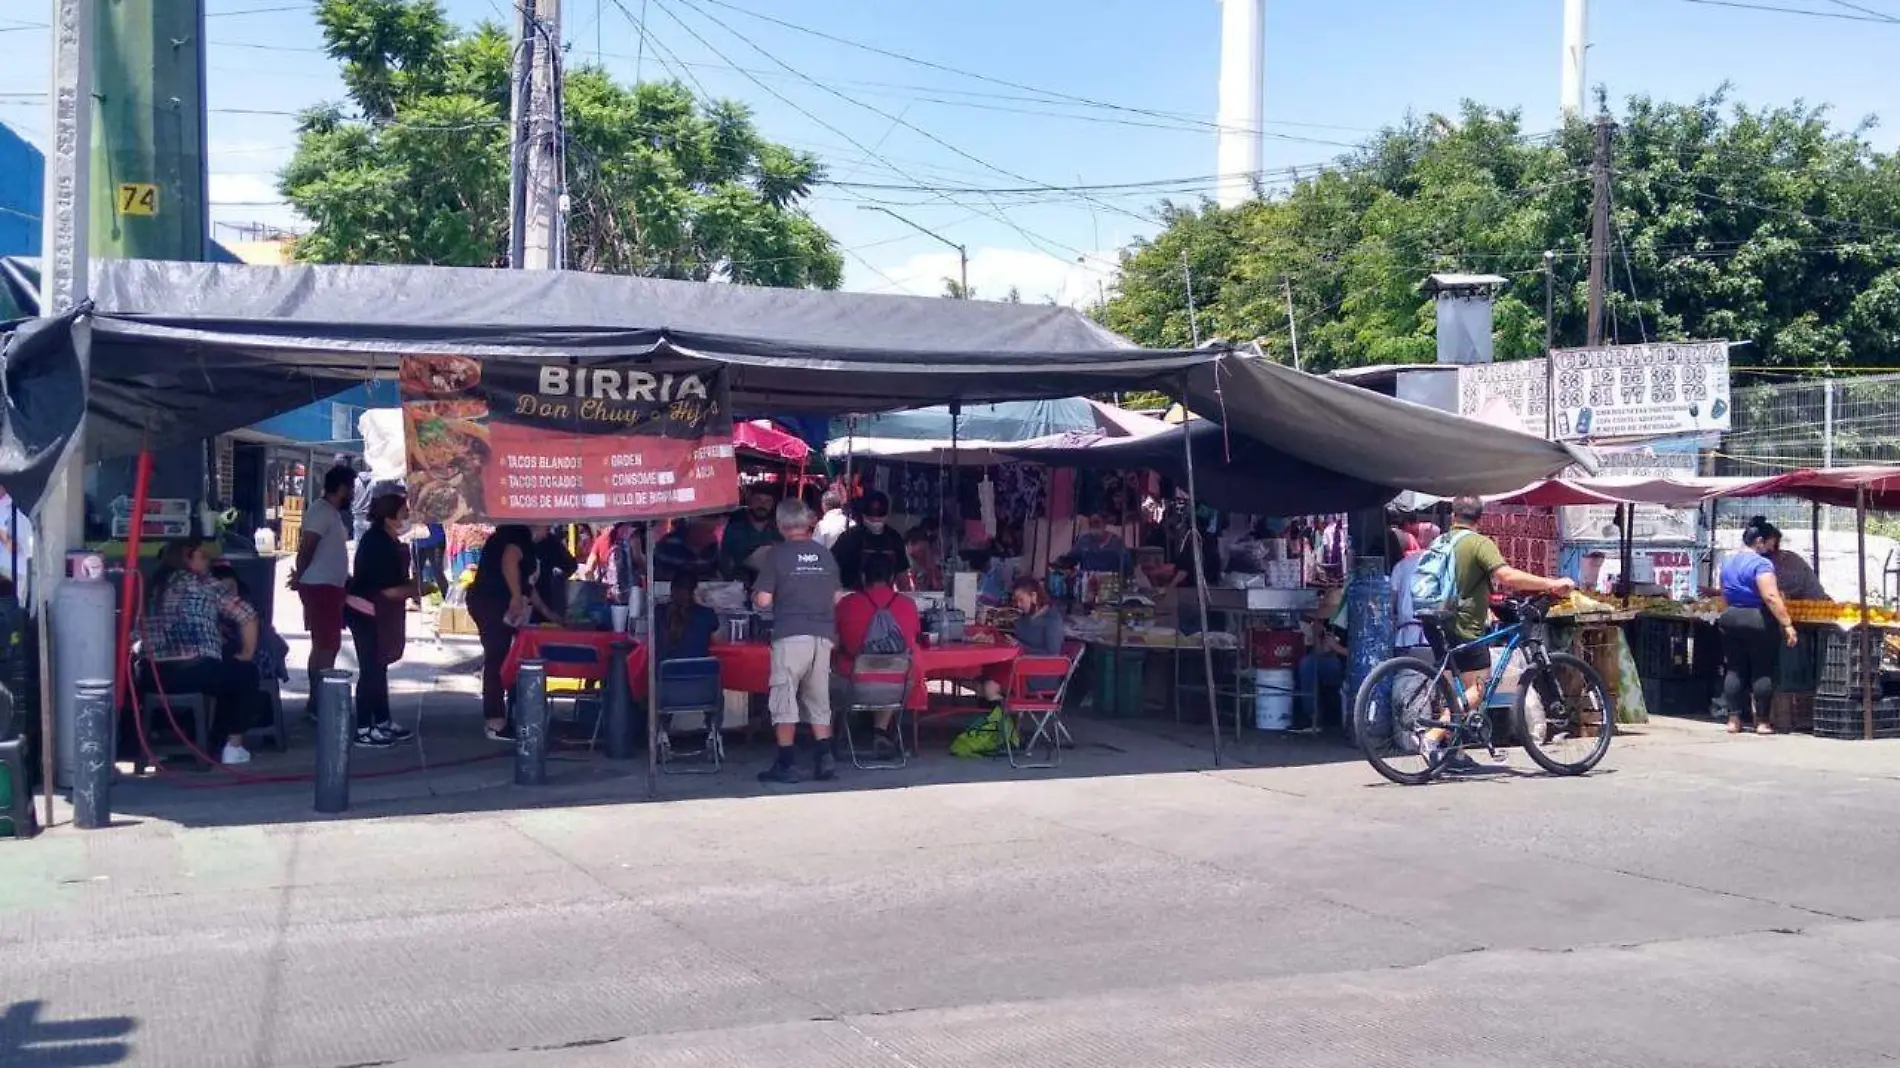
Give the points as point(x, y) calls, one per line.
point(1755, 618)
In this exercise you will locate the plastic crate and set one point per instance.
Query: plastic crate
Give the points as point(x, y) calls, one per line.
point(1679, 697)
point(1841, 673)
point(1800, 668)
point(1843, 717)
point(1663, 648)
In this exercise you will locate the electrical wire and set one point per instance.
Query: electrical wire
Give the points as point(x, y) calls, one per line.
point(979, 161)
point(1778, 9)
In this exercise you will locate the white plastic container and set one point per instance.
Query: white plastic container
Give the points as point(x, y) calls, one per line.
point(1273, 699)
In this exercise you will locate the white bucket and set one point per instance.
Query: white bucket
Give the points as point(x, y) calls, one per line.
point(1273, 699)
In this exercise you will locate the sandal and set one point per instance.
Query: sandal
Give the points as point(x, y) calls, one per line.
point(1765, 728)
point(1735, 724)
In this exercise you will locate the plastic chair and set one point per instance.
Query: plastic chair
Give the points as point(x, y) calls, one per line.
point(878, 683)
point(1040, 708)
point(686, 687)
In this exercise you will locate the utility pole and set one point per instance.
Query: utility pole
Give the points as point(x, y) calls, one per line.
point(520, 102)
point(1550, 346)
point(65, 283)
point(543, 183)
point(1292, 328)
point(963, 254)
point(1599, 230)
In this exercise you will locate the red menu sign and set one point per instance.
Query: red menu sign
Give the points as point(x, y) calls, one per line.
point(513, 442)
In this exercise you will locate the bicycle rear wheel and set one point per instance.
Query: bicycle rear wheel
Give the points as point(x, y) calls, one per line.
point(1397, 704)
point(1565, 717)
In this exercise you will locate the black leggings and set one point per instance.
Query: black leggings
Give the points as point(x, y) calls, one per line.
point(1752, 657)
point(372, 675)
point(497, 638)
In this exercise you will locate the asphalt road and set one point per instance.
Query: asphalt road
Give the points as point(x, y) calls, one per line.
point(1703, 901)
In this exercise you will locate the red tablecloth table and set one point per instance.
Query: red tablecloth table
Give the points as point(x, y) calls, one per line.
point(747, 666)
point(532, 643)
point(961, 661)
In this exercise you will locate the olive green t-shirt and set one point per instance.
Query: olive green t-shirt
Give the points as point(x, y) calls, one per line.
point(1475, 557)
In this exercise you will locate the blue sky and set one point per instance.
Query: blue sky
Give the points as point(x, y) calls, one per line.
point(1336, 69)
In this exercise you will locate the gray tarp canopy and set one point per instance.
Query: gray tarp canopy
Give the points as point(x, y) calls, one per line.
point(181, 351)
point(185, 350)
point(1369, 437)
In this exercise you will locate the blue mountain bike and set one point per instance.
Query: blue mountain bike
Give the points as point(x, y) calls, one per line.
point(1414, 720)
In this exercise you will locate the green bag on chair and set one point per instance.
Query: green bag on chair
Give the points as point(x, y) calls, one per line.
point(984, 737)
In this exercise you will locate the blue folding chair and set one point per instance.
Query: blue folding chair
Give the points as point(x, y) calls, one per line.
point(688, 687)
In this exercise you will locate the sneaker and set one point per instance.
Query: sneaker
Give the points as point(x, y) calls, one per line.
point(235, 754)
point(825, 768)
point(780, 773)
point(500, 734)
point(396, 733)
point(372, 738)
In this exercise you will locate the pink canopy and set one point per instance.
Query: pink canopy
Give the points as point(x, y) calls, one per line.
point(768, 440)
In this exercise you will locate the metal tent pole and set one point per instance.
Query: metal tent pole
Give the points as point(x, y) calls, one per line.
point(1200, 575)
point(1869, 670)
point(647, 648)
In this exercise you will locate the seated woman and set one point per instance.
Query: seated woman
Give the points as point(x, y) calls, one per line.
point(1039, 632)
point(184, 640)
point(273, 652)
point(688, 627)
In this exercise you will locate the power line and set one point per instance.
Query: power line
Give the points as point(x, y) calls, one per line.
point(1039, 242)
point(1778, 9)
point(979, 161)
point(947, 69)
point(1881, 16)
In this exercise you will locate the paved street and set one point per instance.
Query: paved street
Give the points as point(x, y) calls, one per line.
point(1703, 901)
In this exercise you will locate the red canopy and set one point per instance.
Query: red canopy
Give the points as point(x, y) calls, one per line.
point(767, 440)
point(1833, 485)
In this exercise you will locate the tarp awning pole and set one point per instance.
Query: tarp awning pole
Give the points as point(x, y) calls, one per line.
point(1200, 585)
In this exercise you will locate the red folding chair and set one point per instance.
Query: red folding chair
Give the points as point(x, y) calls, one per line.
point(1030, 703)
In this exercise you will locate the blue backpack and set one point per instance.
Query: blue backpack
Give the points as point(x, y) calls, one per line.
point(1435, 589)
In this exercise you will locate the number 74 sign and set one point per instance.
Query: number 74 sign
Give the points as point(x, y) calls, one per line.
point(138, 198)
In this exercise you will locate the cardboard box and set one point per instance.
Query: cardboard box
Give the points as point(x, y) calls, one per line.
point(453, 619)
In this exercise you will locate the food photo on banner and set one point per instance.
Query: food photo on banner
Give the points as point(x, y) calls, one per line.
point(512, 442)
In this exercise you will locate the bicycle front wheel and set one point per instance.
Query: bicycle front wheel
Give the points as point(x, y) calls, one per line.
point(1565, 717)
point(1395, 710)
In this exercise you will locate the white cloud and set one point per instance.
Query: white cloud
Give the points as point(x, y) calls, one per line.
point(1037, 275)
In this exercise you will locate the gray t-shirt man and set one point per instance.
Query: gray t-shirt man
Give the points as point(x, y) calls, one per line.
point(802, 578)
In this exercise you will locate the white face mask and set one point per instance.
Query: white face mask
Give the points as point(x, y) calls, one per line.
point(876, 525)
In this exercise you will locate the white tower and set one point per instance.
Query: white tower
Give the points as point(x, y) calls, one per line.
point(1243, 97)
point(1576, 41)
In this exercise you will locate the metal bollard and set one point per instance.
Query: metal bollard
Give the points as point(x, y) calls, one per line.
point(617, 703)
point(336, 723)
point(531, 724)
point(94, 727)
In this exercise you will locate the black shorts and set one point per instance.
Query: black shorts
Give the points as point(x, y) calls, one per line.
point(1438, 635)
point(1476, 658)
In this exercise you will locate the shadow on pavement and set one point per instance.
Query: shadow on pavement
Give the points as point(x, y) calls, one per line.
point(27, 1040)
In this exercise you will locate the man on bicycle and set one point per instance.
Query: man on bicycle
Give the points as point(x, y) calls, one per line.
point(1480, 568)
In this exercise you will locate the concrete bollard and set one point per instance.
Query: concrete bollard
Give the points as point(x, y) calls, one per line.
point(531, 724)
point(94, 728)
point(336, 728)
point(617, 703)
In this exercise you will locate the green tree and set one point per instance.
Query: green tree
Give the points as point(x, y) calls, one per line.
point(415, 168)
point(1771, 226)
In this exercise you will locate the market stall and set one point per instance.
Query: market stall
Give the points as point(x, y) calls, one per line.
point(600, 398)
